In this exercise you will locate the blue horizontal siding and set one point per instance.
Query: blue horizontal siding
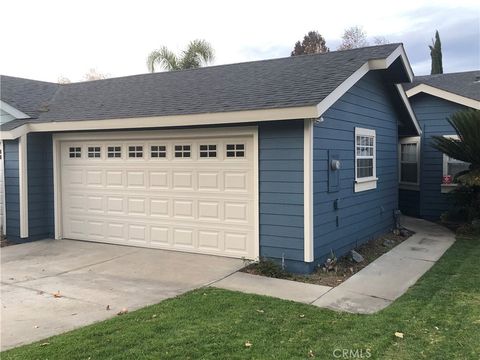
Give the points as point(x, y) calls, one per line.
point(12, 190)
point(432, 113)
point(281, 191)
point(367, 214)
point(40, 185)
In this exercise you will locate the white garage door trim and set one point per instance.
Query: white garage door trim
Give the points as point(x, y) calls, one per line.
point(143, 135)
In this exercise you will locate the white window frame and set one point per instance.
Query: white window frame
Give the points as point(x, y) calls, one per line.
point(114, 152)
point(182, 151)
point(136, 151)
point(446, 188)
point(93, 151)
point(366, 183)
point(406, 141)
point(208, 152)
point(236, 151)
point(158, 149)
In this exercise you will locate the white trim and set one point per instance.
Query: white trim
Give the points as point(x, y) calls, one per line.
point(308, 189)
point(408, 106)
point(145, 135)
point(366, 183)
point(446, 188)
point(17, 114)
point(23, 185)
point(222, 118)
point(405, 141)
point(4, 213)
point(446, 95)
point(377, 64)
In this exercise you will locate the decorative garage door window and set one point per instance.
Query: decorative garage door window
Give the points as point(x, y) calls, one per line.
point(208, 151)
point(182, 151)
point(75, 152)
point(94, 152)
point(158, 151)
point(235, 150)
point(114, 151)
point(135, 151)
point(183, 202)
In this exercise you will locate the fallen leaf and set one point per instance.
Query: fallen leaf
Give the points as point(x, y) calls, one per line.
point(123, 311)
point(57, 294)
point(436, 328)
point(36, 326)
point(260, 311)
point(45, 344)
point(248, 344)
point(108, 307)
point(74, 313)
point(311, 354)
point(399, 335)
point(154, 315)
point(40, 292)
point(302, 316)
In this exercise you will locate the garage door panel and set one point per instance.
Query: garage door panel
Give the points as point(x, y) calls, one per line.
point(196, 204)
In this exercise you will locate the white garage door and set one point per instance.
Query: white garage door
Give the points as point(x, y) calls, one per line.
point(192, 194)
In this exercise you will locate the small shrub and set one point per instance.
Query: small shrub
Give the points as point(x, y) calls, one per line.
point(268, 267)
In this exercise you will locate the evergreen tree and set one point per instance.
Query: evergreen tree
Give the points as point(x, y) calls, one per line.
point(436, 55)
point(312, 43)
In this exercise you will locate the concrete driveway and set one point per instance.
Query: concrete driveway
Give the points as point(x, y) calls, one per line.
point(89, 277)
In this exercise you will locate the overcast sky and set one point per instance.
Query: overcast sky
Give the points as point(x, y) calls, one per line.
point(47, 39)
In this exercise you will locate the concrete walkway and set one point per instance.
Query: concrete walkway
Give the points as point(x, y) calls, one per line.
point(371, 289)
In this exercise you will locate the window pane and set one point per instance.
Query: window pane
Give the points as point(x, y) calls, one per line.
point(455, 167)
point(409, 152)
point(364, 168)
point(408, 172)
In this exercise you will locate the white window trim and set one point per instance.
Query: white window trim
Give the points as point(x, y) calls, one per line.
point(446, 188)
point(403, 184)
point(367, 183)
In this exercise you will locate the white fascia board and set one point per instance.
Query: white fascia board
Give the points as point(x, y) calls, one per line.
point(17, 114)
point(408, 106)
point(446, 95)
point(293, 113)
point(377, 64)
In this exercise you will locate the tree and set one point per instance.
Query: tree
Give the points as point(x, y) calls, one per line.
point(313, 43)
point(198, 53)
point(63, 80)
point(466, 148)
point(436, 55)
point(353, 38)
point(380, 40)
point(93, 74)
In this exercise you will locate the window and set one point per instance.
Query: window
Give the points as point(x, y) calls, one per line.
point(208, 151)
point(93, 151)
point(451, 168)
point(114, 152)
point(135, 151)
point(409, 160)
point(158, 151)
point(182, 151)
point(75, 152)
point(1, 154)
point(365, 160)
point(235, 150)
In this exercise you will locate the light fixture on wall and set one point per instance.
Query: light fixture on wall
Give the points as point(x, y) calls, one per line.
point(319, 120)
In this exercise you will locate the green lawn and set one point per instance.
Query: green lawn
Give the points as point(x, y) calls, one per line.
point(439, 316)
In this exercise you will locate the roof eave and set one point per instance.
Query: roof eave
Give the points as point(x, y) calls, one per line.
point(443, 94)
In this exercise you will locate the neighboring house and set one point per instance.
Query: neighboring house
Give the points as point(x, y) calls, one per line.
point(423, 186)
point(288, 158)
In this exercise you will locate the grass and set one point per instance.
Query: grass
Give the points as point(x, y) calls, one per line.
point(439, 316)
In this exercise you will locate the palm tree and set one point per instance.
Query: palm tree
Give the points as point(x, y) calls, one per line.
point(198, 53)
point(467, 147)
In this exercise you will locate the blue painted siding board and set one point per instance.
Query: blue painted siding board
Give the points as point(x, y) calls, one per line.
point(366, 214)
point(281, 191)
point(40, 185)
point(12, 193)
point(432, 113)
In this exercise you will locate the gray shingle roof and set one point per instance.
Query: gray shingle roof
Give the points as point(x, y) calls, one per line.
point(286, 82)
point(465, 84)
point(28, 96)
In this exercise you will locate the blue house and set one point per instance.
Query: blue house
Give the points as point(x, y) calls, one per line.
point(287, 159)
point(425, 173)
